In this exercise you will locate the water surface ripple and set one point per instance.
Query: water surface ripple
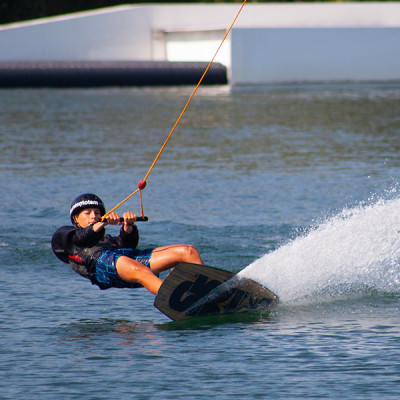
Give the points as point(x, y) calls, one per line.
point(293, 185)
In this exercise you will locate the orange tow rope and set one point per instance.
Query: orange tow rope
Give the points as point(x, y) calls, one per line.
point(142, 183)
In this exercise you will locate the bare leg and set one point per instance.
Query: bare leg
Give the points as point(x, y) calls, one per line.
point(163, 258)
point(134, 272)
point(167, 257)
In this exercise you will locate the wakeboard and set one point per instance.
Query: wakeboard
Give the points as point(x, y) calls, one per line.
point(193, 290)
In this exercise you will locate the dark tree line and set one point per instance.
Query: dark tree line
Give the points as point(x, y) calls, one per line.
point(19, 10)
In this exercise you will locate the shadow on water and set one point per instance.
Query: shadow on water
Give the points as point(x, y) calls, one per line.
point(97, 329)
point(331, 304)
point(210, 322)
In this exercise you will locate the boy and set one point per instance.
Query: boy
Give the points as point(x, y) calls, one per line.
point(113, 261)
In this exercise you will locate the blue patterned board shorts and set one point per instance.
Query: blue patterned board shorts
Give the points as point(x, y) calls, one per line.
point(106, 275)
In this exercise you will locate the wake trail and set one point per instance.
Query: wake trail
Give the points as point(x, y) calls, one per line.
point(356, 250)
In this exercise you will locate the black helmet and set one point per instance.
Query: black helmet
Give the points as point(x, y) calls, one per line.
point(84, 201)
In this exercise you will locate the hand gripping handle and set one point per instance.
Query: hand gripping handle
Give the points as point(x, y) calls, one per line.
point(140, 219)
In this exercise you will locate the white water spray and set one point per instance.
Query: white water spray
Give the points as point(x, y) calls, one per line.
point(359, 249)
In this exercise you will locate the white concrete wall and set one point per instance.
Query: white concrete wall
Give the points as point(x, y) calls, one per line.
point(315, 54)
point(269, 42)
point(179, 20)
point(120, 33)
point(277, 15)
